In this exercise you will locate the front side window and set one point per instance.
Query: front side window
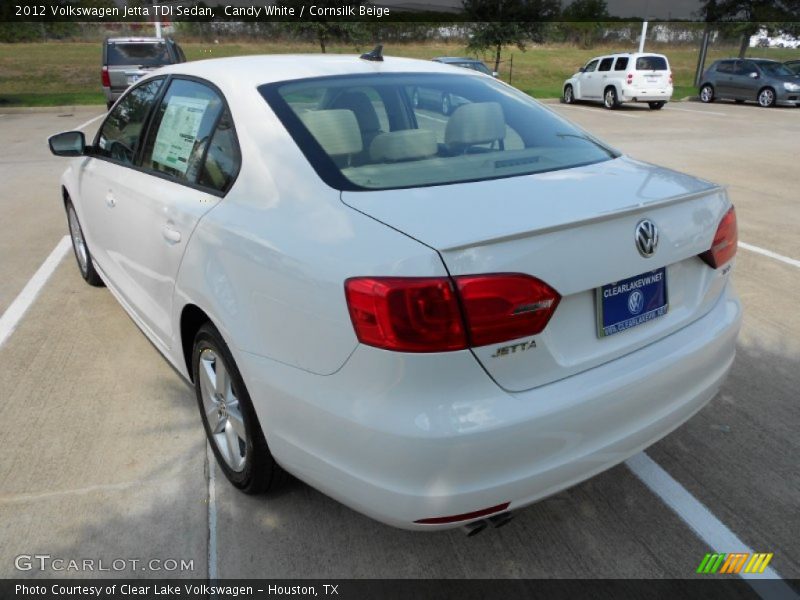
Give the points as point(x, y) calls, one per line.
point(605, 64)
point(774, 68)
point(119, 136)
point(746, 67)
point(591, 66)
point(182, 126)
point(438, 129)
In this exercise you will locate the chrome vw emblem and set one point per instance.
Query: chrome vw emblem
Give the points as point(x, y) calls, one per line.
point(646, 237)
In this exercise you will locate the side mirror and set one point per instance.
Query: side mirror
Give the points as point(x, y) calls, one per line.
point(69, 143)
point(581, 69)
point(753, 75)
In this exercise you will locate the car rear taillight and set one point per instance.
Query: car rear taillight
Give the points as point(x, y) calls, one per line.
point(104, 76)
point(409, 314)
point(630, 78)
point(670, 77)
point(424, 314)
point(723, 248)
point(505, 306)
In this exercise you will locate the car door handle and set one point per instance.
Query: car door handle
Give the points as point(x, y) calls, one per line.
point(171, 234)
point(111, 202)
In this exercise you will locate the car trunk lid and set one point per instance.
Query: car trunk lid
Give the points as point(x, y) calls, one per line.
point(574, 229)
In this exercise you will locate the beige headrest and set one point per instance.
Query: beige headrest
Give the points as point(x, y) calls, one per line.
point(476, 123)
point(406, 144)
point(336, 130)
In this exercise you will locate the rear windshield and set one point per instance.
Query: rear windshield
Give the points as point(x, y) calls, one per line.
point(651, 63)
point(142, 54)
point(412, 130)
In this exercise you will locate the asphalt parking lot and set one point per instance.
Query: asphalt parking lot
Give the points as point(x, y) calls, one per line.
point(104, 456)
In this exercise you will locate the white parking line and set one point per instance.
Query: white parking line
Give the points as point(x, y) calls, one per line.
point(419, 114)
point(90, 121)
point(784, 259)
point(698, 112)
point(710, 529)
point(24, 300)
point(594, 110)
point(212, 515)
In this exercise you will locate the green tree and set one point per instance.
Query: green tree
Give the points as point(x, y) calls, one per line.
point(324, 30)
point(499, 23)
point(744, 18)
point(583, 21)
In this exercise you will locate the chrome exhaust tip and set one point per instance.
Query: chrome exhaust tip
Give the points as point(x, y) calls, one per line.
point(502, 519)
point(474, 528)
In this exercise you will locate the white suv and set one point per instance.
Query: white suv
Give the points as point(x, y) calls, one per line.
point(618, 78)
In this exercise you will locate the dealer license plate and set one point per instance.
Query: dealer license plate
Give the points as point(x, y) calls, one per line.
point(631, 302)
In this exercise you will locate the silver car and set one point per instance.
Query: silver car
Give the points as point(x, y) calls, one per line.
point(767, 82)
point(126, 60)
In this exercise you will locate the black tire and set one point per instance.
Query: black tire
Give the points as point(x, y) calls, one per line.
point(81, 249)
point(656, 105)
point(706, 93)
point(610, 99)
point(766, 97)
point(447, 104)
point(260, 473)
point(569, 95)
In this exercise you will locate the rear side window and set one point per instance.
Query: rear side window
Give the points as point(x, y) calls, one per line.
point(605, 64)
point(119, 136)
point(138, 54)
point(223, 158)
point(621, 64)
point(651, 63)
point(182, 127)
point(726, 66)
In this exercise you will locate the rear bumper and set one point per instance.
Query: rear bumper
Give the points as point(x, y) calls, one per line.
point(638, 95)
point(407, 437)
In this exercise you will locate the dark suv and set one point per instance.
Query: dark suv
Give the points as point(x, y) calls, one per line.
point(125, 60)
point(767, 82)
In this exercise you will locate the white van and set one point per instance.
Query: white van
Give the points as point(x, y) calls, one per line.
point(618, 78)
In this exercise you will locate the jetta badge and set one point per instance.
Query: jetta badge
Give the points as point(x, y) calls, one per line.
point(646, 237)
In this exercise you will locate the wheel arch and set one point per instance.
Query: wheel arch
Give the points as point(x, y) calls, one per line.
point(192, 319)
point(768, 87)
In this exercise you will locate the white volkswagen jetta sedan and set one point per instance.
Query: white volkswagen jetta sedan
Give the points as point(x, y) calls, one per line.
point(434, 319)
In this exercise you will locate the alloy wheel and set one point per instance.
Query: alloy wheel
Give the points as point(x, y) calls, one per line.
point(766, 98)
point(222, 410)
point(78, 243)
point(706, 94)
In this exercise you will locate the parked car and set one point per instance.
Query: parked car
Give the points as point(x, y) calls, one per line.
point(126, 60)
point(435, 321)
point(619, 78)
point(466, 63)
point(793, 66)
point(767, 82)
point(437, 99)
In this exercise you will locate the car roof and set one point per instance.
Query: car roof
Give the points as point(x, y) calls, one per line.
point(454, 59)
point(257, 70)
point(136, 40)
